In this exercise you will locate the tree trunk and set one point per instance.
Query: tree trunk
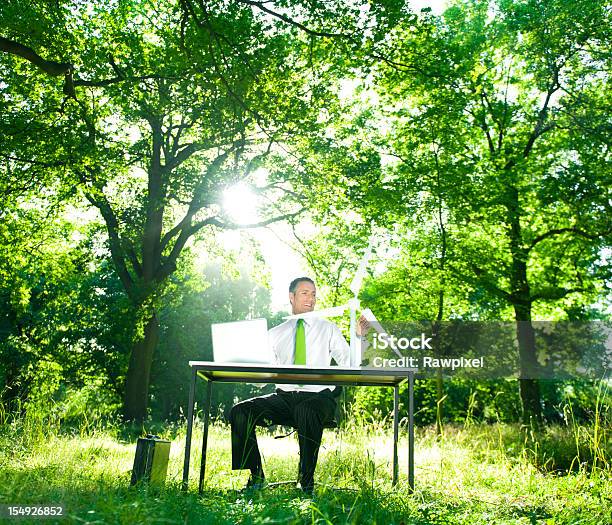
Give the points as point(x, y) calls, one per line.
point(441, 346)
point(520, 297)
point(439, 400)
point(529, 386)
point(139, 372)
point(440, 315)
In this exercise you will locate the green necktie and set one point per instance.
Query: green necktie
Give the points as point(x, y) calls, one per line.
point(300, 344)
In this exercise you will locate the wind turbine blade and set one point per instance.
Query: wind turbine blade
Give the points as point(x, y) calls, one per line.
point(335, 311)
point(358, 279)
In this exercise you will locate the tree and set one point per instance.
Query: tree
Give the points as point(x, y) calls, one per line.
point(57, 308)
point(163, 106)
point(520, 95)
point(157, 99)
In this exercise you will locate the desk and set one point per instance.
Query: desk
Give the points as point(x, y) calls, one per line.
point(295, 374)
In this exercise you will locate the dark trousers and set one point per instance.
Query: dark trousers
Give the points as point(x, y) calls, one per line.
point(307, 412)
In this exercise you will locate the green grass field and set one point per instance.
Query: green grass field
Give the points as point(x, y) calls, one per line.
point(480, 474)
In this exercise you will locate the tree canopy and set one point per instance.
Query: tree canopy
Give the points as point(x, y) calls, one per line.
point(475, 142)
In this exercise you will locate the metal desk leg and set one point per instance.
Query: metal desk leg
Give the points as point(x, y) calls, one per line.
point(189, 430)
point(395, 431)
point(411, 431)
point(205, 435)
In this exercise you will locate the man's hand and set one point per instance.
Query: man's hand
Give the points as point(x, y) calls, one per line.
point(363, 326)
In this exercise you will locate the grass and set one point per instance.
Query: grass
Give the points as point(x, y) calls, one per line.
point(476, 474)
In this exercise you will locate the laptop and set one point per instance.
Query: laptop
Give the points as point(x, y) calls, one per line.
point(241, 342)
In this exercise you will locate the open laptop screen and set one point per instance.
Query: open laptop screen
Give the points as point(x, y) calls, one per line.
point(241, 342)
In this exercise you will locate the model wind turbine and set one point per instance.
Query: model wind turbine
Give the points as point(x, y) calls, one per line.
point(352, 305)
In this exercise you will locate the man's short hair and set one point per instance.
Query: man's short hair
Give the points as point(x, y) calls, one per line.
point(294, 284)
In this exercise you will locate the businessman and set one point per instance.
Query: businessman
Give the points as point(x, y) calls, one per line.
point(312, 342)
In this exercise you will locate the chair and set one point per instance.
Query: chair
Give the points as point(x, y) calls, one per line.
point(331, 424)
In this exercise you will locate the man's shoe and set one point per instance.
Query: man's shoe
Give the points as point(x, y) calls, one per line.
point(256, 483)
point(307, 489)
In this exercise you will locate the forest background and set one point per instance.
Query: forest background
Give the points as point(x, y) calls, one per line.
point(472, 143)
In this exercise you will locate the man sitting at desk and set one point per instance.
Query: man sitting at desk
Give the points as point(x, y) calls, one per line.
point(312, 342)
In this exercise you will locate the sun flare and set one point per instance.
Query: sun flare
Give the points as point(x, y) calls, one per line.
point(240, 204)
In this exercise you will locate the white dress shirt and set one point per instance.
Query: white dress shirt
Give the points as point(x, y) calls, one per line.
point(324, 341)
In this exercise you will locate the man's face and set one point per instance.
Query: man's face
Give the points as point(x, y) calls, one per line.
point(304, 298)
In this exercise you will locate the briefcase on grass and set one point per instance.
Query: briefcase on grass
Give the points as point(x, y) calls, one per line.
point(151, 460)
